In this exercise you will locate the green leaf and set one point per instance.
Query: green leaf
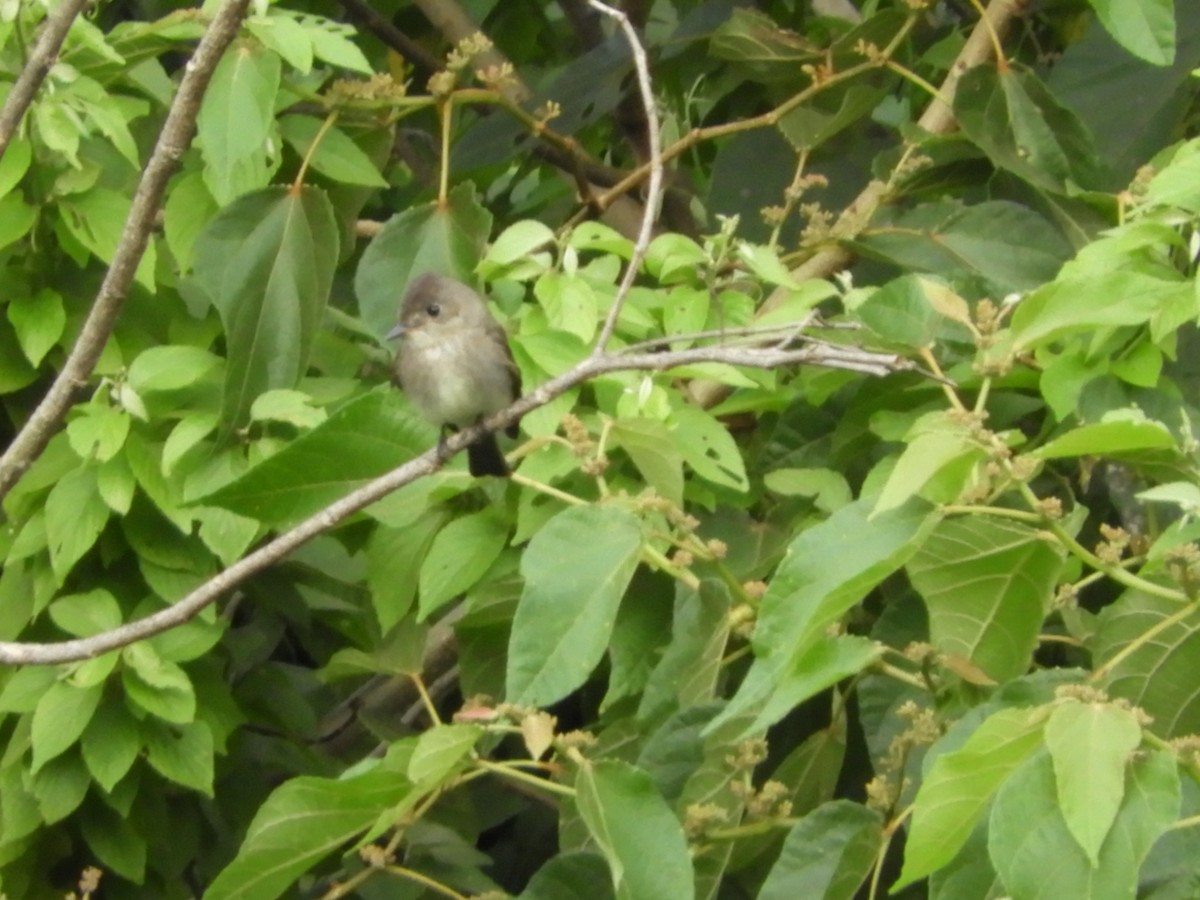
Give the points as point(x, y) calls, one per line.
point(654, 453)
point(959, 785)
point(189, 432)
point(169, 368)
point(75, 516)
point(937, 463)
point(441, 751)
point(336, 156)
point(1036, 856)
point(188, 209)
point(281, 32)
point(96, 219)
point(236, 120)
point(394, 562)
point(570, 304)
point(38, 320)
point(1009, 245)
point(17, 219)
point(182, 753)
point(331, 43)
point(284, 405)
point(561, 627)
point(1090, 745)
point(569, 876)
point(82, 615)
point(673, 258)
point(428, 238)
point(61, 716)
point(266, 261)
point(60, 787)
point(14, 164)
point(364, 439)
point(100, 432)
point(1083, 304)
point(636, 831)
point(708, 448)
point(302, 822)
point(1146, 28)
point(904, 312)
point(25, 687)
point(117, 843)
point(1157, 675)
point(827, 570)
point(687, 672)
point(828, 854)
point(458, 557)
point(157, 686)
point(1122, 433)
point(1022, 127)
point(111, 743)
point(987, 584)
point(828, 488)
point(518, 241)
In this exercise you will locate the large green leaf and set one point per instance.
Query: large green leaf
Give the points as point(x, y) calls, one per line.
point(1036, 856)
point(1159, 675)
point(1083, 304)
point(827, 855)
point(828, 569)
point(635, 830)
point(987, 583)
point(1146, 28)
point(1091, 744)
point(959, 785)
point(562, 625)
point(1014, 118)
point(362, 440)
point(1009, 245)
point(266, 262)
point(445, 239)
point(302, 822)
point(236, 119)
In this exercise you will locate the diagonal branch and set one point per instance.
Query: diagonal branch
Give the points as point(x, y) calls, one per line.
point(37, 67)
point(173, 140)
point(848, 358)
point(938, 118)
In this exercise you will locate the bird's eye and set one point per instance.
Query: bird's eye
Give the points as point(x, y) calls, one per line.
point(433, 309)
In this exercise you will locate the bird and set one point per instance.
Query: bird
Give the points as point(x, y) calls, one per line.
point(454, 364)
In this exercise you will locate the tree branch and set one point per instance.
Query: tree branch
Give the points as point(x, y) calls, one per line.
point(813, 353)
point(938, 118)
point(173, 140)
point(365, 15)
point(654, 191)
point(37, 67)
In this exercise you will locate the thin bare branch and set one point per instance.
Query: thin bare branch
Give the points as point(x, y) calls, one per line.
point(654, 189)
point(837, 357)
point(173, 140)
point(37, 67)
point(365, 15)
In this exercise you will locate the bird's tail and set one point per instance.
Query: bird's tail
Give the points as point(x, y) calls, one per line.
point(484, 458)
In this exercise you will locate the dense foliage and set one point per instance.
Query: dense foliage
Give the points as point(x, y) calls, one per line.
point(925, 619)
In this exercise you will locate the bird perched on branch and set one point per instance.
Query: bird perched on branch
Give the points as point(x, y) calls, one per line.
point(454, 364)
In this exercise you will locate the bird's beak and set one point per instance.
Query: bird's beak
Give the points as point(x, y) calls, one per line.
point(397, 332)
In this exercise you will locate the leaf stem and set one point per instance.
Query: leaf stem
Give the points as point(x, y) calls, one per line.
point(509, 770)
point(298, 182)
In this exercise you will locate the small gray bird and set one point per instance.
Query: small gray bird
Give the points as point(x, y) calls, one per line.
point(454, 364)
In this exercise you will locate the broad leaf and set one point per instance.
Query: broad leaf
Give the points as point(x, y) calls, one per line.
point(635, 830)
point(561, 628)
point(266, 262)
